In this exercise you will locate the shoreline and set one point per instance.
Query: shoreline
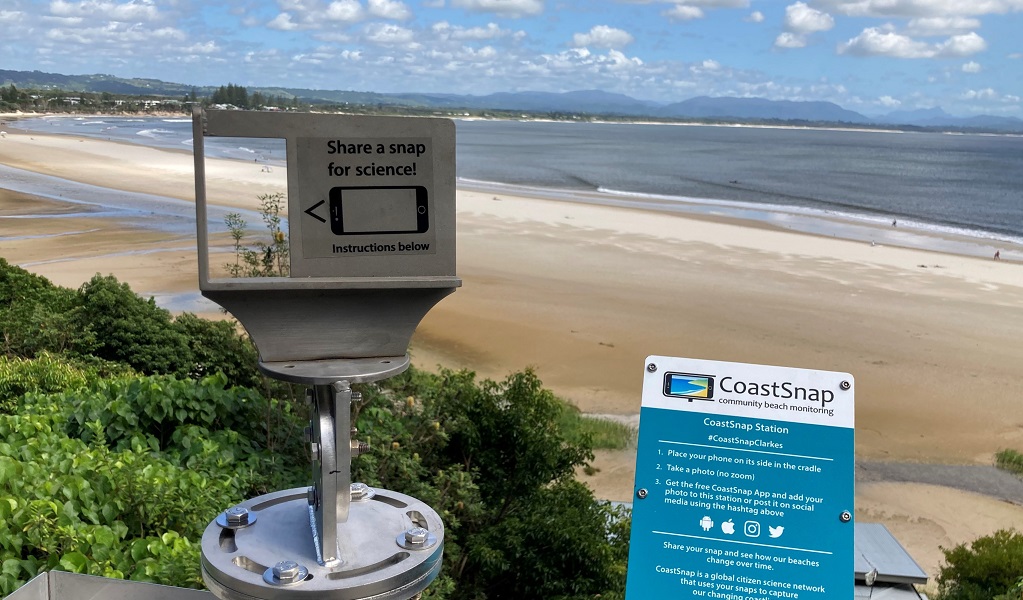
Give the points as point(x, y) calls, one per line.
point(585, 292)
point(863, 226)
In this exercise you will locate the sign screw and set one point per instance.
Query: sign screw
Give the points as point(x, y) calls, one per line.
point(652, 368)
point(238, 515)
point(845, 517)
point(641, 493)
point(845, 385)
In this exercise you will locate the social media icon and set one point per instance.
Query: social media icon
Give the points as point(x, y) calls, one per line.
point(751, 529)
point(775, 532)
point(706, 523)
point(728, 527)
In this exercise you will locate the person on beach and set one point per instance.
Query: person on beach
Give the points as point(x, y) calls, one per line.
point(998, 255)
point(895, 223)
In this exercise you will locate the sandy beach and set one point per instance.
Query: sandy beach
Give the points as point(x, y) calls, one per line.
point(584, 293)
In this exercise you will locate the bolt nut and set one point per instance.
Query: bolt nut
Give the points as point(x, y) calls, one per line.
point(359, 448)
point(314, 450)
point(312, 497)
point(356, 396)
point(641, 493)
point(845, 385)
point(286, 572)
point(416, 536)
point(651, 367)
point(360, 491)
point(845, 517)
point(238, 515)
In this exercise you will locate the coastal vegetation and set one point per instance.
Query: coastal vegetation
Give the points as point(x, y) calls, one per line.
point(990, 567)
point(1010, 460)
point(125, 430)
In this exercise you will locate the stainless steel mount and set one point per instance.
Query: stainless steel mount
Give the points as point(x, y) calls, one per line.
point(336, 540)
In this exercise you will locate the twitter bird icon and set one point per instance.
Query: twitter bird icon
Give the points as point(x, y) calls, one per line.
point(775, 532)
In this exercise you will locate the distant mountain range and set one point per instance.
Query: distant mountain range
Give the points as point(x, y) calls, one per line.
point(593, 102)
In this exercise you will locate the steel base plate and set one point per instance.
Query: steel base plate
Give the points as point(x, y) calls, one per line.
point(326, 372)
point(374, 566)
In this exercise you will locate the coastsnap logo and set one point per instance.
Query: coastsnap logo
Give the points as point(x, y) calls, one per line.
point(689, 385)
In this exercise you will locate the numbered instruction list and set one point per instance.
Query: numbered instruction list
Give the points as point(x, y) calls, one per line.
point(732, 506)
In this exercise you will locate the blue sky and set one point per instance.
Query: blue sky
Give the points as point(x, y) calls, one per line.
point(873, 56)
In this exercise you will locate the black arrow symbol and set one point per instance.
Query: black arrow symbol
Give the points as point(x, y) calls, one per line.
point(309, 211)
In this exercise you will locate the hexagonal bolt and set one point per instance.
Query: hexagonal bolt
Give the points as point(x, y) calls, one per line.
point(308, 432)
point(312, 496)
point(356, 396)
point(238, 515)
point(416, 536)
point(359, 490)
point(314, 450)
point(287, 571)
point(359, 448)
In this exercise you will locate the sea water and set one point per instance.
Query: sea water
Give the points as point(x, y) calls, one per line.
point(952, 192)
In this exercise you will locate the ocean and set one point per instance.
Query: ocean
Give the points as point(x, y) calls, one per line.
point(950, 192)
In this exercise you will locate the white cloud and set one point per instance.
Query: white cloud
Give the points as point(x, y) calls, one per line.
point(389, 9)
point(344, 11)
point(984, 94)
point(755, 17)
point(962, 45)
point(787, 39)
point(800, 18)
point(921, 8)
point(209, 47)
point(602, 36)
point(888, 102)
point(1016, 55)
point(884, 41)
point(932, 26)
point(683, 12)
point(491, 31)
point(506, 8)
point(282, 22)
point(134, 11)
point(11, 16)
point(971, 67)
point(388, 34)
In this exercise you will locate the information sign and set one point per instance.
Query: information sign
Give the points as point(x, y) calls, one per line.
point(744, 483)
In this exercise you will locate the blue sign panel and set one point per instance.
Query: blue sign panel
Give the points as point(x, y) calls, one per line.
point(744, 483)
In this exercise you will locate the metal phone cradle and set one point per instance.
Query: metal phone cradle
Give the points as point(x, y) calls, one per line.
point(333, 322)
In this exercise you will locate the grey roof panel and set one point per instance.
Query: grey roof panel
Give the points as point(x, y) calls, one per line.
point(876, 548)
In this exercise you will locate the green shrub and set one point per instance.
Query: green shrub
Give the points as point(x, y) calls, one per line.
point(493, 460)
point(37, 316)
point(989, 566)
point(1010, 460)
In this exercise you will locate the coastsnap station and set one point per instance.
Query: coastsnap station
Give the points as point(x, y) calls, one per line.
point(744, 483)
point(371, 222)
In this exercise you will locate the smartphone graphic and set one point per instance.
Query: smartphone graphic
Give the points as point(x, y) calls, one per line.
point(689, 385)
point(379, 210)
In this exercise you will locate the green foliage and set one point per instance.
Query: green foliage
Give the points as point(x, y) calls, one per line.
point(602, 434)
point(37, 316)
point(131, 330)
point(989, 566)
point(262, 259)
point(1010, 460)
point(216, 346)
point(492, 459)
point(46, 373)
point(105, 324)
point(231, 94)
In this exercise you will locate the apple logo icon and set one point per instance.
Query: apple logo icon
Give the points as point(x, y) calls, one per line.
point(728, 527)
